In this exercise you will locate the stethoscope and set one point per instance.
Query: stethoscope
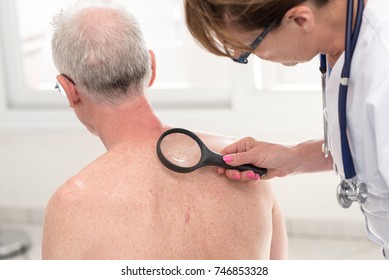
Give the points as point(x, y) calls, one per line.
point(350, 189)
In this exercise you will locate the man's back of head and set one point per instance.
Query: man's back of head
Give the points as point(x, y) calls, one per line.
point(100, 47)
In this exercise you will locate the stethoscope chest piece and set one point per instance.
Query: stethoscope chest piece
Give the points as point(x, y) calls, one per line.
point(349, 191)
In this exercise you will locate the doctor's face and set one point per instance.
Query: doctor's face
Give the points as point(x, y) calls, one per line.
point(279, 46)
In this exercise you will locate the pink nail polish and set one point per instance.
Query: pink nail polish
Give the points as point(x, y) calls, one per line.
point(227, 159)
point(236, 176)
point(250, 175)
point(257, 177)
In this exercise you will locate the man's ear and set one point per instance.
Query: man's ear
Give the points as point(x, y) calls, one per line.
point(70, 90)
point(302, 16)
point(153, 68)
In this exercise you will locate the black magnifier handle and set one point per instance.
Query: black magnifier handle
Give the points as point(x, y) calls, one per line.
point(213, 158)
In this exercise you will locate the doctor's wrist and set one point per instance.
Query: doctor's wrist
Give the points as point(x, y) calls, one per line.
point(308, 157)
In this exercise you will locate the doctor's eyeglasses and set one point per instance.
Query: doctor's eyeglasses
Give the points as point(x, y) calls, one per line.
point(243, 58)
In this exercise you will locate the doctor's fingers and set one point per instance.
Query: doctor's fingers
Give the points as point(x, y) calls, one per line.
point(244, 152)
point(243, 145)
point(220, 171)
point(236, 175)
point(245, 176)
point(250, 157)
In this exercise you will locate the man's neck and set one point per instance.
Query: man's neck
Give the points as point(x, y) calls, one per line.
point(132, 122)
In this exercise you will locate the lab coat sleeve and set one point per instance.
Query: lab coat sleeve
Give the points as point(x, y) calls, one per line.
point(379, 113)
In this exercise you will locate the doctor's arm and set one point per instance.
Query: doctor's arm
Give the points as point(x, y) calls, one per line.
point(280, 160)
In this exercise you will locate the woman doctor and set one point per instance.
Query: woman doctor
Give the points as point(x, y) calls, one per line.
point(357, 99)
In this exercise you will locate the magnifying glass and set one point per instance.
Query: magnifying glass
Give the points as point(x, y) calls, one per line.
point(182, 151)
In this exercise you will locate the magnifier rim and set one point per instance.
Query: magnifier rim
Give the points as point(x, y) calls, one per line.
point(172, 166)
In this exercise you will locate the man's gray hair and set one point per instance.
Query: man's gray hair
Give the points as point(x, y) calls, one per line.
point(100, 47)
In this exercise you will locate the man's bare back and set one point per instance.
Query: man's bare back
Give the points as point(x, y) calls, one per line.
point(127, 205)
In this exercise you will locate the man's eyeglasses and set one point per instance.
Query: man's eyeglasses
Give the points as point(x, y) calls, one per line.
point(243, 58)
point(59, 87)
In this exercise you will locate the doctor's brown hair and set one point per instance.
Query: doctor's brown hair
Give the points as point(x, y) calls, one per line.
point(206, 20)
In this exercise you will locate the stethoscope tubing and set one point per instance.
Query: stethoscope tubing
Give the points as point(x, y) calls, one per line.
point(350, 189)
point(350, 44)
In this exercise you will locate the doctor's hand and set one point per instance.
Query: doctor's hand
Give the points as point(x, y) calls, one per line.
point(276, 158)
point(280, 160)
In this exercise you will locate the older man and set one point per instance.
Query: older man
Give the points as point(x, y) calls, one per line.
point(126, 204)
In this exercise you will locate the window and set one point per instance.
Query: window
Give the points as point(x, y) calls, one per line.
point(187, 75)
point(271, 77)
point(181, 76)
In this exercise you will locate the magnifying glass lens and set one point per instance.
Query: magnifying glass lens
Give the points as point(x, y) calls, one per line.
point(180, 150)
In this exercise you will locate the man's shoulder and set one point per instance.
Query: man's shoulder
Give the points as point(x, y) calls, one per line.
point(214, 141)
point(68, 197)
point(68, 212)
point(97, 181)
point(71, 202)
point(84, 184)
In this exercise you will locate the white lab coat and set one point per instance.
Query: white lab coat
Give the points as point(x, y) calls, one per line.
point(367, 117)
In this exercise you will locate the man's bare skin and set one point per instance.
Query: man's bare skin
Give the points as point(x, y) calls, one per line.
point(127, 205)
